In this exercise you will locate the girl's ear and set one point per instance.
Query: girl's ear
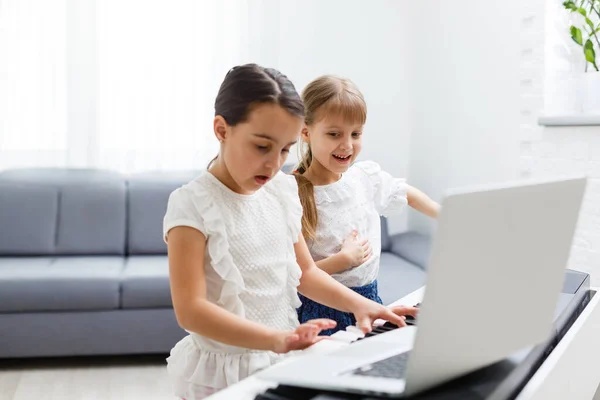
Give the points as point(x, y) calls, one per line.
point(305, 134)
point(221, 128)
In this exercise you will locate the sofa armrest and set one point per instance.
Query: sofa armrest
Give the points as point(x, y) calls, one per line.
point(412, 246)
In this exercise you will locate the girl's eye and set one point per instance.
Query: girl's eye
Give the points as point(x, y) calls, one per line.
point(262, 148)
point(356, 134)
point(285, 150)
point(333, 134)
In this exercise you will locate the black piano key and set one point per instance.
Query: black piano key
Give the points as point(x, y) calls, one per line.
point(384, 328)
point(380, 329)
point(270, 396)
point(410, 320)
point(388, 324)
point(284, 392)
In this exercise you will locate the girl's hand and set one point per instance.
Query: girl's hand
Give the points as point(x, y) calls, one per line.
point(304, 336)
point(369, 311)
point(356, 251)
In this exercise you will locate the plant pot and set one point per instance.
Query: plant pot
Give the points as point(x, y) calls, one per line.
point(590, 93)
point(563, 94)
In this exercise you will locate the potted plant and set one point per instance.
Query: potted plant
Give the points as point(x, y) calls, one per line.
point(585, 32)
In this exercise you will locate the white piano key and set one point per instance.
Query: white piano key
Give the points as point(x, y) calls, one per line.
point(355, 330)
point(325, 346)
point(344, 336)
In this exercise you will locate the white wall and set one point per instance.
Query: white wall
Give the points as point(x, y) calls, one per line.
point(573, 150)
point(465, 95)
point(555, 151)
point(366, 43)
point(477, 74)
point(454, 92)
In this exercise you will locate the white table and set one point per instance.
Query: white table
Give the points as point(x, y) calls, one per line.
point(571, 371)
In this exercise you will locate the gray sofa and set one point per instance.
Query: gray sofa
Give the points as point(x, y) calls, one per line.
point(83, 267)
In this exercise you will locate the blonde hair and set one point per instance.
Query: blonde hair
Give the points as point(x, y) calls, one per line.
point(325, 96)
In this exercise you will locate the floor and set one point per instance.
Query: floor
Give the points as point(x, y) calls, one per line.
point(101, 378)
point(98, 378)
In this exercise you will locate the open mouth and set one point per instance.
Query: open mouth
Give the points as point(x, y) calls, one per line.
point(342, 158)
point(262, 179)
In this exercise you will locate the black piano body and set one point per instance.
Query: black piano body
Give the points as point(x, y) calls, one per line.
point(500, 381)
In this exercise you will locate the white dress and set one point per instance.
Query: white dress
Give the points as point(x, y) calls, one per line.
point(251, 271)
point(356, 201)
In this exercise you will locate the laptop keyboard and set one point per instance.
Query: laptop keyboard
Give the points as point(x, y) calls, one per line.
point(392, 367)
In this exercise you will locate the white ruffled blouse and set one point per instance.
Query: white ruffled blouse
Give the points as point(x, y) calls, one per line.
point(250, 267)
point(356, 202)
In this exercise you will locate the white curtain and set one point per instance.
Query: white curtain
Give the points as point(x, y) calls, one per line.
point(120, 84)
point(32, 83)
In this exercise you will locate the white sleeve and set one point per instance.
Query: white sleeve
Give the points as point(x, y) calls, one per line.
point(181, 211)
point(389, 193)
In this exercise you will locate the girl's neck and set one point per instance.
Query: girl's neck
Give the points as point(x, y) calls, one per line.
point(220, 171)
point(318, 175)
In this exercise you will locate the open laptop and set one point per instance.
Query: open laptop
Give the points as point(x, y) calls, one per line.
point(495, 273)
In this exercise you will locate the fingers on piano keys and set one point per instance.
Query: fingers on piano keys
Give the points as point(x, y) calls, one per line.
point(353, 333)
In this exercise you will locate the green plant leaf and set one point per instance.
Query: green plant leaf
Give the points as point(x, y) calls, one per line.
point(582, 12)
point(588, 44)
point(576, 35)
point(590, 54)
point(590, 23)
point(569, 5)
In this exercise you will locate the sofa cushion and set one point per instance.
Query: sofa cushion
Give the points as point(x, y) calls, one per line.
point(398, 277)
point(27, 219)
point(145, 282)
point(90, 216)
point(412, 246)
point(59, 284)
point(147, 204)
point(92, 219)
